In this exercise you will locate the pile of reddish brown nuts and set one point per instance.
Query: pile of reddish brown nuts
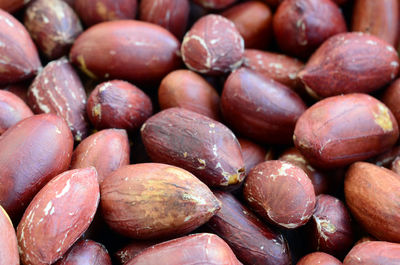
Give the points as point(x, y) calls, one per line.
point(182, 132)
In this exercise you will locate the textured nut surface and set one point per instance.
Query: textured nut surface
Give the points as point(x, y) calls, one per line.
point(8, 241)
point(86, 252)
point(371, 253)
point(320, 258)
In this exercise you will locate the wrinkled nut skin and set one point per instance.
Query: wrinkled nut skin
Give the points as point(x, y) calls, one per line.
point(281, 193)
point(8, 241)
point(58, 215)
point(250, 239)
point(340, 130)
point(201, 248)
point(12, 5)
point(130, 50)
point(170, 14)
point(253, 154)
point(86, 252)
point(253, 20)
point(214, 4)
point(186, 89)
point(350, 63)
point(320, 258)
point(58, 89)
point(268, 109)
point(150, 201)
point(12, 110)
point(106, 150)
point(33, 152)
point(96, 11)
point(379, 18)
point(20, 59)
point(133, 249)
point(53, 25)
point(372, 194)
point(329, 229)
point(212, 46)
point(391, 97)
point(204, 147)
point(300, 26)
point(118, 104)
point(374, 252)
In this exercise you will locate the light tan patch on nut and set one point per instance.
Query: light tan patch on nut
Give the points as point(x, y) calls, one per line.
point(382, 118)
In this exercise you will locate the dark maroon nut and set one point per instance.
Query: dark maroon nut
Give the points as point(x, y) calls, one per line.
point(254, 22)
point(281, 193)
point(340, 2)
point(86, 252)
point(18, 53)
point(273, 3)
point(193, 249)
point(396, 165)
point(375, 252)
point(260, 108)
point(253, 154)
point(203, 146)
point(250, 239)
point(214, 4)
point(379, 18)
point(53, 25)
point(58, 89)
point(300, 26)
point(70, 2)
point(186, 89)
point(153, 201)
point(12, 110)
point(340, 130)
point(95, 11)
point(106, 150)
point(32, 152)
point(8, 241)
point(319, 258)
point(133, 249)
point(339, 65)
point(130, 50)
point(12, 5)
point(213, 46)
point(170, 14)
point(19, 89)
point(391, 98)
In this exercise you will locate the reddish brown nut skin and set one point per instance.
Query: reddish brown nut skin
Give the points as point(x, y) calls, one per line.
point(42, 144)
point(214, 4)
point(391, 98)
point(320, 258)
point(20, 59)
point(268, 109)
point(273, 3)
point(253, 154)
point(340, 130)
point(379, 18)
point(96, 11)
point(300, 26)
point(106, 150)
point(206, 46)
point(150, 201)
point(8, 241)
point(19, 89)
point(53, 25)
point(365, 239)
point(374, 252)
point(118, 104)
point(204, 147)
point(338, 66)
point(133, 249)
point(281, 193)
point(254, 22)
point(204, 248)
point(12, 5)
point(86, 252)
point(170, 14)
point(372, 195)
point(186, 89)
point(130, 50)
point(250, 239)
point(12, 110)
point(58, 89)
point(395, 167)
point(57, 216)
point(385, 159)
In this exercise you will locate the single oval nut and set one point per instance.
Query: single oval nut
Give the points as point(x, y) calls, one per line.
point(57, 216)
point(339, 65)
point(320, 258)
point(214, 4)
point(8, 240)
point(58, 89)
point(12, 5)
point(130, 50)
point(33, 152)
point(374, 252)
point(204, 147)
point(12, 110)
point(206, 46)
point(86, 252)
point(340, 130)
point(268, 109)
point(186, 89)
point(18, 53)
point(253, 154)
point(281, 193)
point(391, 97)
point(118, 104)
